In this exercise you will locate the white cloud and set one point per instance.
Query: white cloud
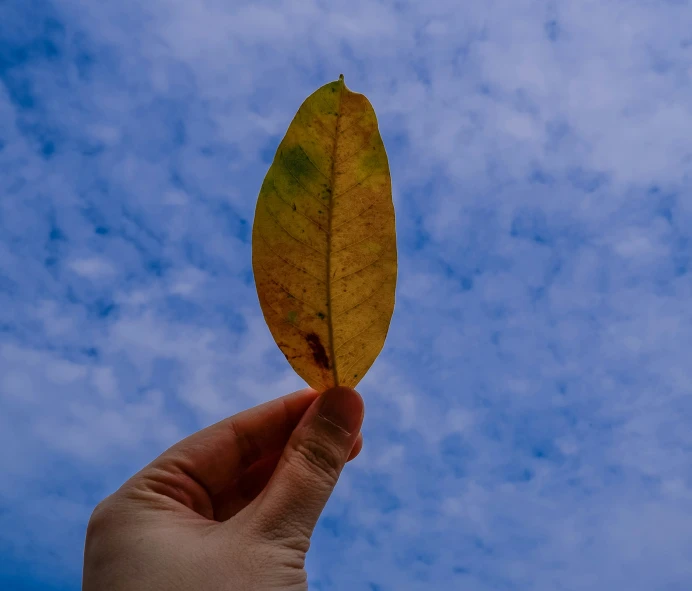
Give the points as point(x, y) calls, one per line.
point(92, 268)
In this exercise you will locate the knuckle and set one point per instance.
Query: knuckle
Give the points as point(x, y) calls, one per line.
point(100, 517)
point(299, 544)
point(274, 538)
point(320, 456)
point(286, 534)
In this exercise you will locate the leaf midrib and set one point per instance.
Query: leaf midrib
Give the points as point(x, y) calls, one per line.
point(330, 326)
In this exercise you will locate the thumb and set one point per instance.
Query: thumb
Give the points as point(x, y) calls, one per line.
point(310, 466)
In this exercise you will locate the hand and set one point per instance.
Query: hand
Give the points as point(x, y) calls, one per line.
point(232, 507)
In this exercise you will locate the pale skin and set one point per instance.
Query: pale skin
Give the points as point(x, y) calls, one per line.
point(233, 506)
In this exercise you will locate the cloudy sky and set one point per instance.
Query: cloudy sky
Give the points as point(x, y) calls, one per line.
point(528, 422)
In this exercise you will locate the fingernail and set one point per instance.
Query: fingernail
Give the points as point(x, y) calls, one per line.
point(343, 407)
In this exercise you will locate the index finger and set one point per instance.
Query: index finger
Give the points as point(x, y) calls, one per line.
point(214, 457)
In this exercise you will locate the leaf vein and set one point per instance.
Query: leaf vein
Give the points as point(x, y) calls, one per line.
point(355, 217)
point(359, 241)
point(321, 125)
point(348, 158)
point(311, 162)
point(285, 290)
point(360, 182)
point(285, 230)
point(370, 264)
point(372, 294)
point(301, 185)
point(355, 363)
point(276, 254)
point(355, 336)
point(308, 218)
point(356, 122)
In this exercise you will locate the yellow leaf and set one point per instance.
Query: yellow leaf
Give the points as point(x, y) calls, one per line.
point(324, 240)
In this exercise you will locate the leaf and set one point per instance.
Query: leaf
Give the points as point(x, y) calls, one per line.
point(324, 241)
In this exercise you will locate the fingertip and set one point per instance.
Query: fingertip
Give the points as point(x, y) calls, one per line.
point(357, 447)
point(343, 407)
point(306, 392)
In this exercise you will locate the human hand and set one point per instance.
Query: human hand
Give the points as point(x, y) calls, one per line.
point(232, 507)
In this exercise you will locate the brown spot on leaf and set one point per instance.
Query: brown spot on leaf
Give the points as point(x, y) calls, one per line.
point(318, 351)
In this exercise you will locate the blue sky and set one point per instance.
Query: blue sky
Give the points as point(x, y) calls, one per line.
point(528, 422)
